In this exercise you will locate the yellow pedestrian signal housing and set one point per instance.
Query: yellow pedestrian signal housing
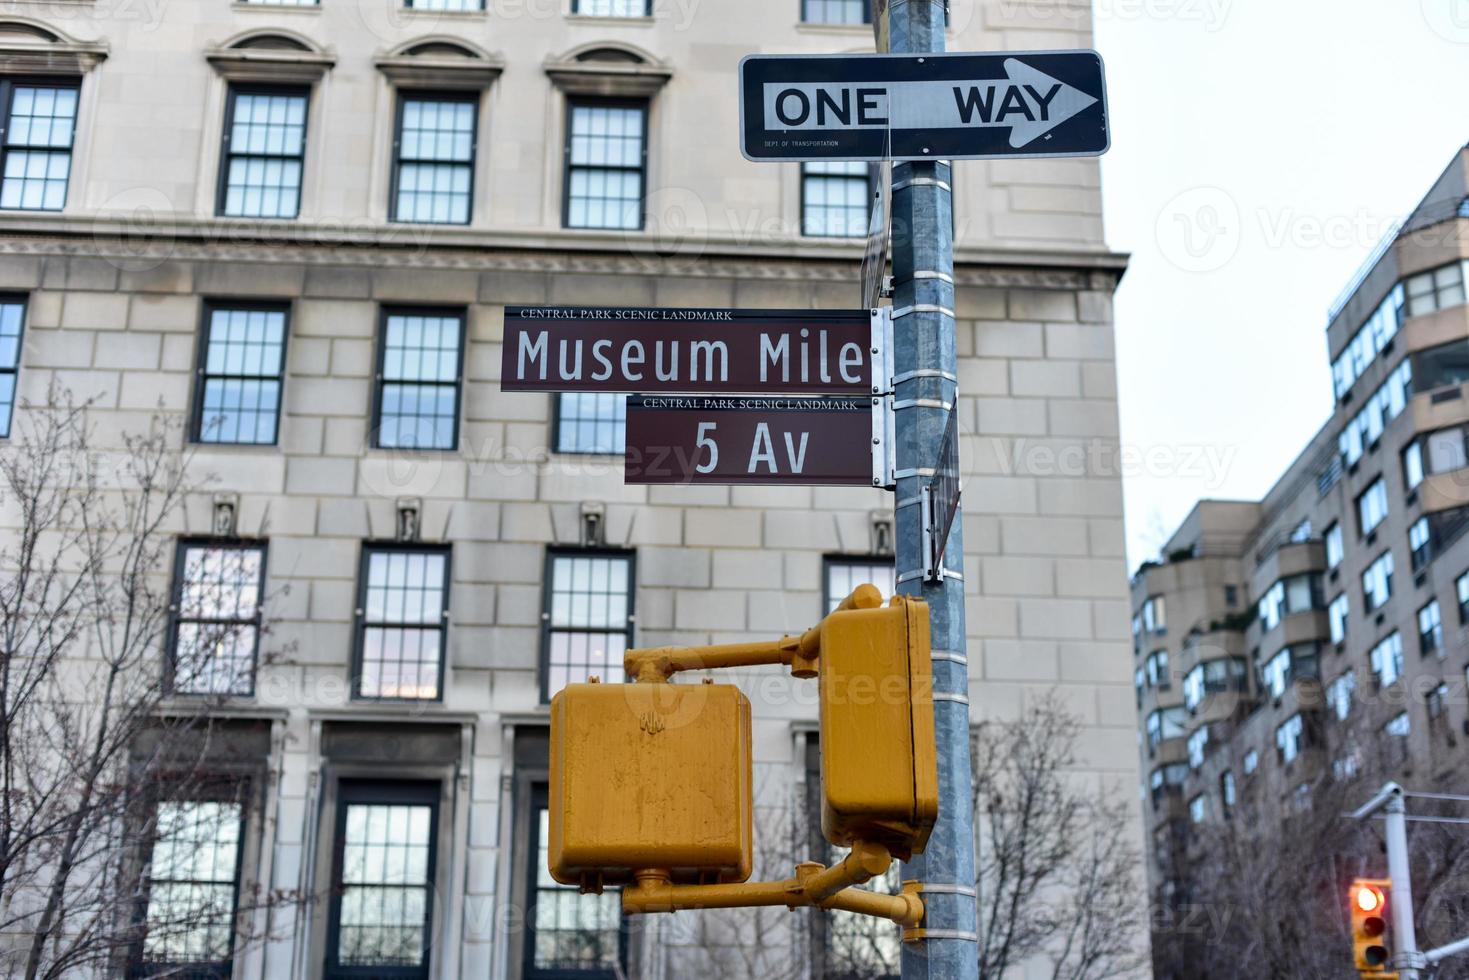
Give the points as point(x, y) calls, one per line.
point(649, 775)
point(1368, 899)
point(879, 768)
point(651, 781)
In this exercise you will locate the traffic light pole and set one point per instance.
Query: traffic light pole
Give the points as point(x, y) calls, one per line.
point(1404, 932)
point(925, 392)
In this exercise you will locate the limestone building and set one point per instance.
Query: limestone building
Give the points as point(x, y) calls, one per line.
point(295, 225)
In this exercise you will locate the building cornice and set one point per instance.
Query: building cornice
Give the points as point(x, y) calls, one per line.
point(542, 251)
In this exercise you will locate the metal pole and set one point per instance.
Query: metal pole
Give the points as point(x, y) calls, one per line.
point(1408, 959)
point(924, 355)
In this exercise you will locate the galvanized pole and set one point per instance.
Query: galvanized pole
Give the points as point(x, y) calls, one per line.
point(1404, 937)
point(926, 390)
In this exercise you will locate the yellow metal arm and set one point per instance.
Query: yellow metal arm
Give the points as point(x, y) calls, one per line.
point(813, 885)
point(658, 664)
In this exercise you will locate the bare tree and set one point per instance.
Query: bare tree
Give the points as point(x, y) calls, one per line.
point(1058, 876)
point(97, 758)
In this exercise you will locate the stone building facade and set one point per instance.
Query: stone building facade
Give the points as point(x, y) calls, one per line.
point(1319, 634)
point(296, 225)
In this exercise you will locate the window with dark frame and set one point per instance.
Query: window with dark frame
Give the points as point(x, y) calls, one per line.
point(433, 158)
point(216, 617)
point(836, 11)
point(843, 573)
point(37, 131)
point(241, 364)
point(402, 622)
point(12, 332)
point(264, 152)
point(383, 880)
point(593, 422)
point(836, 199)
point(190, 887)
point(568, 934)
point(420, 359)
point(588, 617)
point(454, 6)
point(612, 8)
point(606, 159)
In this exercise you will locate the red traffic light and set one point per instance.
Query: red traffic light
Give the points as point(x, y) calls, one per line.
point(1369, 899)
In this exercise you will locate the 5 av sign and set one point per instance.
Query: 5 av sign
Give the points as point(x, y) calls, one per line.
point(934, 106)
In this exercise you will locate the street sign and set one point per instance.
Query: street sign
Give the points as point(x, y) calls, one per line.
point(934, 106)
point(695, 351)
point(875, 255)
point(941, 501)
point(750, 440)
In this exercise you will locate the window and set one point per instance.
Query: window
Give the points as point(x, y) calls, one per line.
point(612, 8)
point(1289, 738)
point(453, 5)
point(1386, 404)
point(284, 3)
point(216, 628)
point(420, 356)
point(1198, 744)
point(433, 169)
point(1334, 550)
point(1339, 694)
point(1295, 594)
point(1430, 630)
point(1413, 465)
point(1369, 340)
point(1420, 543)
point(1231, 596)
point(264, 148)
point(1158, 676)
point(1198, 808)
point(1345, 767)
point(591, 422)
point(241, 361)
point(38, 127)
point(1377, 581)
point(383, 880)
point(12, 329)
point(1155, 619)
point(1337, 614)
point(845, 574)
point(1461, 590)
point(403, 595)
point(1166, 723)
point(836, 12)
point(567, 934)
point(836, 199)
point(1400, 725)
point(1140, 682)
point(1387, 660)
point(588, 617)
point(1435, 289)
point(1446, 451)
point(1227, 793)
point(1301, 532)
point(1290, 664)
point(1213, 677)
point(1251, 762)
point(1372, 507)
point(1435, 700)
point(605, 155)
point(1137, 632)
point(1167, 779)
point(191, 887)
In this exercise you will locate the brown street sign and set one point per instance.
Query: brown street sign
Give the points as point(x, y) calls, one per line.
point(690, 351)
point(812, 441)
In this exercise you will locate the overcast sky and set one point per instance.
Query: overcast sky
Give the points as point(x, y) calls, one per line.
point(1260, 148)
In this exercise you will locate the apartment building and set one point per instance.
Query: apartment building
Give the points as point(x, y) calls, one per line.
point(294, 226)
point(1321, 632)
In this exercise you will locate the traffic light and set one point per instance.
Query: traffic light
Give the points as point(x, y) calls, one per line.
point(649, 776)
point(879, 768)
point(1368, 898)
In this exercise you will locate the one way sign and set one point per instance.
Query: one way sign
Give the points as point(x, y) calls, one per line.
point(934, 106)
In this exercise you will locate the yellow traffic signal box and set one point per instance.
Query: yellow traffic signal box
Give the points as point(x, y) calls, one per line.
point(649, 776)
point(1368, 898)
point(879, 769)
